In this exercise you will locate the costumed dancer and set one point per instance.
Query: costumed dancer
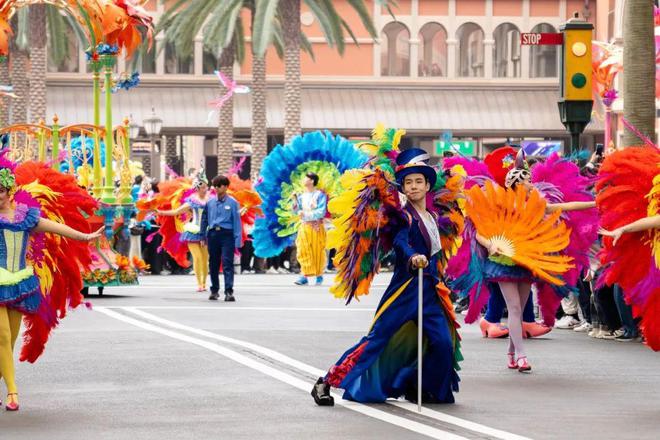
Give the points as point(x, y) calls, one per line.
point(311, 205)
point(283, 176)
point(194, 204)
point(628, 197)
point(39, 258)
point(524, 246)
point(423, 234)
point(494, 167)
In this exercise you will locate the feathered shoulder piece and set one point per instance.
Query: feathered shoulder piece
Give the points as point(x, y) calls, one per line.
point(56, 260)
point(383, 148)
point(516, 221)
point(282, 174)
point(363, 214)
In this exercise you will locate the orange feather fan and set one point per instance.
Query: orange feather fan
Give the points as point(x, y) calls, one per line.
point(517, 219)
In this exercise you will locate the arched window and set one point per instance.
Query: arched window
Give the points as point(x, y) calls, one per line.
point(395, 50)
point(470, 50)
point(210, 62)
point(543, 59)
point(433, 50)
point(148, 61)
point(506, 51)
point(175, 64)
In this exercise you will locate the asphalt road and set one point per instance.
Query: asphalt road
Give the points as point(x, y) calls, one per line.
point(160, 361)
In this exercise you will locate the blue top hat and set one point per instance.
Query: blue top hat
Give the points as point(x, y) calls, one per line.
point(414, 161)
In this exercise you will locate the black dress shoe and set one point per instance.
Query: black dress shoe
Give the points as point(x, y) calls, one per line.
point(214, 296)
point(321, 393)
point(229, 297)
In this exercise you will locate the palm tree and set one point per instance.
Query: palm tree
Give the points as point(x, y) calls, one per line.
point(18, 61)
point(639, 70)
point(5, 79)
point(223, 33)
point(259, 131)
point(222, 29)
point(38, 39)
point(333, 26)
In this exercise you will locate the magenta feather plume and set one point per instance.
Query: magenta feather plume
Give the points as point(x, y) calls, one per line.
point(566, 177)
point(5, 162)
point(549, 302)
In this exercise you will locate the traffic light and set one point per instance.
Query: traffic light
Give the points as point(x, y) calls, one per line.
point(575, 103)
point(576, 61)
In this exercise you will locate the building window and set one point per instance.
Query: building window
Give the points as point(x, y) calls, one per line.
point(543, 59)
point(147, 63)
point(506, 51)
point(470, 50)
point(69, 53)
point(433, 50)
point(175, 64)
point(395, 50)
point(210, 62)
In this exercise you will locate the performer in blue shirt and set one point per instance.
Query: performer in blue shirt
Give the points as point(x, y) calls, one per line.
point(221, 222)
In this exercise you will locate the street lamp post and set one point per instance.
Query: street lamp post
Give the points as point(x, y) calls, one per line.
point(152, 127)
point(133, 132)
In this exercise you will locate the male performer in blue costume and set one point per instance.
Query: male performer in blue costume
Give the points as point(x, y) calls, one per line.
point(384, 363)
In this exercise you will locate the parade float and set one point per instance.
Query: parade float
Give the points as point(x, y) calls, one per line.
point(97, 154)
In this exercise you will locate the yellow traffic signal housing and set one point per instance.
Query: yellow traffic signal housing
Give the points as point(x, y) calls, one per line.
point(575, 102)
point(576, 61)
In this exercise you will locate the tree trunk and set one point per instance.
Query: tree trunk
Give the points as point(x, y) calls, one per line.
point(639, 70)
point(226, 124)
point(171, 157)
point(38, 62)
point(18, 65)
point(259, 133)
point(290, 13)
point(4, 100)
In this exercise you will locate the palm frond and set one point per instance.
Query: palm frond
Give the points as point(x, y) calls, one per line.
point(262, 34)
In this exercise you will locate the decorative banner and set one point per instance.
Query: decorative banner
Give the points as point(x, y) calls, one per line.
point(542, 148)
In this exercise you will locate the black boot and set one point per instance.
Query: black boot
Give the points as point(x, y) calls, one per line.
point(321, 393)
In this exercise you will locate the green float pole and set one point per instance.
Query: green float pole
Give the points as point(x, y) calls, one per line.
point(108, 187)
point(56, 143)
point(96, 78)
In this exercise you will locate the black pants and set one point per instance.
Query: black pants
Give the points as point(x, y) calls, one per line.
point(608, 315)
point(584, 299)
point(221, 248)
point(247, 252)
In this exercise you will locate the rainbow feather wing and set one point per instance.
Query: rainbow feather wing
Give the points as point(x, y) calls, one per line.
point(362, 215)
point(281, 175)
point(56, 260)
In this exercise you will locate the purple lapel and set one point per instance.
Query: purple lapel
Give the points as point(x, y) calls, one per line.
point(422, 226)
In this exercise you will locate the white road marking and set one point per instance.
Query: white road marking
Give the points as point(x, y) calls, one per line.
point(284, 359)
point(302, 385)
point(231, 308)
